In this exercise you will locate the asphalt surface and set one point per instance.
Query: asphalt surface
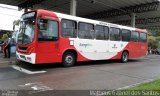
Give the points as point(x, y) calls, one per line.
point(96, 75)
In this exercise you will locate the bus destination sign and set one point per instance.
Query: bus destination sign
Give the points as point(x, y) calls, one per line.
point(28, 15)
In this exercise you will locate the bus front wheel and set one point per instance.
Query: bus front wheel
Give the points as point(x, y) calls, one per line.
point(124, 57)
point(68, 59)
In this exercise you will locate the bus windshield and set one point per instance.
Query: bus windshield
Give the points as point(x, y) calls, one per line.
point(26, 32)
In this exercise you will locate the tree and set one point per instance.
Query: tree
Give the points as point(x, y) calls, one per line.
point(150, 33)
point(158, 38)
point(5, 37)
point(153, 42)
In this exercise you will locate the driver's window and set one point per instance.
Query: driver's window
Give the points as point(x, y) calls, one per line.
point(48, 30)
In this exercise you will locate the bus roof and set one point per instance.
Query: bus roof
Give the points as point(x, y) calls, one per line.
point(80, 19)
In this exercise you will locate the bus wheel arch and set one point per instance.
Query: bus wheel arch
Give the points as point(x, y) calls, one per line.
point(69, 58)
point(125, 56)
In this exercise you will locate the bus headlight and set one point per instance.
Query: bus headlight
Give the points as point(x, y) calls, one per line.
point(29, 59)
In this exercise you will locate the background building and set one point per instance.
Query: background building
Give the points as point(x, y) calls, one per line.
point(8, 15)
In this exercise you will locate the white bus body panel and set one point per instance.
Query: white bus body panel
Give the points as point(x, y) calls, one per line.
point(98, 49)
point(24, 57)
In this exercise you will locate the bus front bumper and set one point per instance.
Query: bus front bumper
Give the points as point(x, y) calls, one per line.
point(27, 58)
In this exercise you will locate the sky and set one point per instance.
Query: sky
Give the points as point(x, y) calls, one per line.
point(7, 15)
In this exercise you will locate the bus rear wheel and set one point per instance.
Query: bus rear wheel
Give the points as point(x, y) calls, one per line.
point(68, 59)
point(124, 57)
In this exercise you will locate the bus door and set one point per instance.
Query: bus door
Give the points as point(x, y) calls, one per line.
point(114, 43)
point(135, 45)
point(47, 46)
point(86, 35)
point(143, 44)
point(101, 42)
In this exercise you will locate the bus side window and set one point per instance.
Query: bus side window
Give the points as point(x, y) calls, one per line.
point(114, 34)
point(106, 31)
point(86, 31)
point(126, 35)
point(69, 28)
point(135, 36)
point(48, 30)
point(99, 32)
point(143, 37)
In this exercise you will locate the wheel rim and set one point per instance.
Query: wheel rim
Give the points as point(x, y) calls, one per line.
point(125, 56)
point(69, 59)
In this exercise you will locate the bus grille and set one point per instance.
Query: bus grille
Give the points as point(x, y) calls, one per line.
point(22, 48)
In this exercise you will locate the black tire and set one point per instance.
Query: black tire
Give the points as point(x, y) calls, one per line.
point(124, 57)
point(68, 59)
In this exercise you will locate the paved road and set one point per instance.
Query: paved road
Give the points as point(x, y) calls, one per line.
point(87, 75)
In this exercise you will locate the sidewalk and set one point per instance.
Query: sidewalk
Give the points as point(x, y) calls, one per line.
point(7, 61)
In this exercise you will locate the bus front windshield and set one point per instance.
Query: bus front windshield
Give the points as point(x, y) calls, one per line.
point(26, 32)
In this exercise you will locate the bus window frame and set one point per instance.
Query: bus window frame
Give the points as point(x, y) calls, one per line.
point(119, 34)
point(140, 37)
point(75, 26)
point(58, 23)
point(95, 32)
point(79, 27)
point(108, 38)
point(105, 38)
point(130, 35)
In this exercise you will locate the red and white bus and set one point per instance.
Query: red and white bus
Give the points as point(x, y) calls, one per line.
point(50, 37)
